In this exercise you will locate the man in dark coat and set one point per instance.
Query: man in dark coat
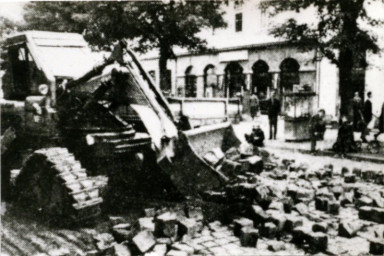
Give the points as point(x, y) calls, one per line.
point(317, 128)
point(345, 142)
point(273, 113)
point(367, 115)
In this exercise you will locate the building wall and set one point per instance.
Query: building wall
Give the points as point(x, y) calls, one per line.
point(321, 75)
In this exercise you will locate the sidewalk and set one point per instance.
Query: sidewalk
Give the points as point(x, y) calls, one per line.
point(324, 147)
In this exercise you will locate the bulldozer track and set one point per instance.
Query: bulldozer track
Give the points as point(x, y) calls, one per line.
point(56, 183)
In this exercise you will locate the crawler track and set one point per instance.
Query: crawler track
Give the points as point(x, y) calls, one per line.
point(53, 181)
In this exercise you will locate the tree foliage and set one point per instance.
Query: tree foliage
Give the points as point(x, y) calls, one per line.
point(7, 26)
point(156, 24)
point(337, 34)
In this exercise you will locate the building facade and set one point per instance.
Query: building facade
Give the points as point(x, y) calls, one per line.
point(246, 59)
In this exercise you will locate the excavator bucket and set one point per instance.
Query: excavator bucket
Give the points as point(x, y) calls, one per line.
point(189, 172)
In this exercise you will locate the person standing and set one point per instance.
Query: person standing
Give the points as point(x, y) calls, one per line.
point(367, 115)
point(273, 113)
point(254, 105)
point(357, 107)
point(316, 128)
point(345, 142)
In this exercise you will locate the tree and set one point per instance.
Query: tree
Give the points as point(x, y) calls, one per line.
point(7, 26)
point(153, 25)
point(337, 34)
point(60, 16)
point(157, 25)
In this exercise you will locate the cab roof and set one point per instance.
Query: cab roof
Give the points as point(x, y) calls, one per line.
point(61, 54)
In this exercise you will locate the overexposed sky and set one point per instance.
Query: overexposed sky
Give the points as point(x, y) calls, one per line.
point(12, 9)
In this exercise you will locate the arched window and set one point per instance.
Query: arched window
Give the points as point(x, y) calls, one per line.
point(190, 83)
point(289, 74)
point(210, 81)
point(261, 79)
point(234, 79)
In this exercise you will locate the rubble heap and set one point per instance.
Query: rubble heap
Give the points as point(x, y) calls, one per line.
point(268, 205)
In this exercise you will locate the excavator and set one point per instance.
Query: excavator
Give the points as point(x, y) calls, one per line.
point(72, 118)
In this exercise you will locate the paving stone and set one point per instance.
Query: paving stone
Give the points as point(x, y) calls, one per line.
point(144, 241)
point(364, 201)
point(164, 240)
point(230, 168)
point(177, 253)
point(203, 239)
point(150, 212)
point(121, 250)
point(368, 175)
point(218, 251)
point(187, 227)
point(372, 214)
point(321, 203)
point(276, 246)
point(292, 222)
point(268, 230)
point(349, 229)
point(278, 218)
point(248, 237)
point(356, 171)
point(146, 224)
point(301, 208)
point(182, 247)
point(344, 171)
point(300, 235)
point(122, 235)
point(241, 223)
point(209, 244)
point(379, 179)
point(378, 201)
point(160, 248)
point(114, 220)
point(233, 249)
point(347, 198)
point(320, 227)
point(287, 204)
point(337, 191)
point(318, 241)
point(333, 207)
point(258, 215)
point(276, 205)
point(350, 178)
point(376, 246)
point(166, 225)
point(222, 235)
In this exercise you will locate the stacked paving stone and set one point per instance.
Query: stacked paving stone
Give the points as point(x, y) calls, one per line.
point(285, 200)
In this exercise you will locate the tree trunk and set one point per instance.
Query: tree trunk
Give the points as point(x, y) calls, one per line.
point(345, 81)
point(164, 56)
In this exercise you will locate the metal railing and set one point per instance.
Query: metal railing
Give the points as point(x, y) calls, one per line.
point(201, 111)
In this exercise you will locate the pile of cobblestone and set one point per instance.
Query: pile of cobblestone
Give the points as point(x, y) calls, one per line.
point(307, 207)
point(268, 206)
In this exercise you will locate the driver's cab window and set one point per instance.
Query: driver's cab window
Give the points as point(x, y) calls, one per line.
point(23, 72)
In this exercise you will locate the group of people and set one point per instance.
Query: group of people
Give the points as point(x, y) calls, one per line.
point(361, 117)
point(273, 110)
point(256, 137)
